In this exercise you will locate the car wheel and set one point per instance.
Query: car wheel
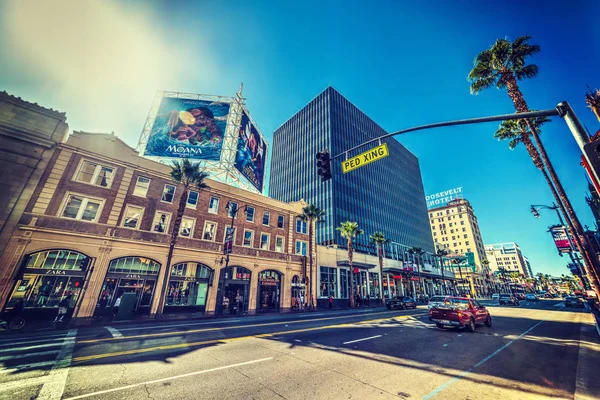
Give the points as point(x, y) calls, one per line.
point(488, 321)
point(501, 303)
point(441, 326)
point(471, 325)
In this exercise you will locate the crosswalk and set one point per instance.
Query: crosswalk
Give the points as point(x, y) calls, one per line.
point(35, 367)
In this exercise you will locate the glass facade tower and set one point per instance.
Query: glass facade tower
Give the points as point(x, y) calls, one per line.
point(385, 196)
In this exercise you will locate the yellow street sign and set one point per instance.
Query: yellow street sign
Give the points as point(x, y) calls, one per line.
point(365, 158)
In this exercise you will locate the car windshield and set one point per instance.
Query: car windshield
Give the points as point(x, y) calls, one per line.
point(505, 295)
point(437, 299)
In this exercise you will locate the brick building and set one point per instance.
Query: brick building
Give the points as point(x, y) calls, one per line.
point(98, 225)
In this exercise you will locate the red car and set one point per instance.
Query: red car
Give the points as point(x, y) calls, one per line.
point(460, 312)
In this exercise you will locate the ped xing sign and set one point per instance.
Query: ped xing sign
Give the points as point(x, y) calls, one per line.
point(365, 158)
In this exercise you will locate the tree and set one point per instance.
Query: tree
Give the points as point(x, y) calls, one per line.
point(190, 175)
point(501, 66)
point(592, 99)
point(441, 253)
point(311, 213)
point(379, 239)
point(486, 270)
point(350, 231)
point(418, 253)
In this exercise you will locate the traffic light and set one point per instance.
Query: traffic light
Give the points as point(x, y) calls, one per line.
point(535, 212)
point(324, 165)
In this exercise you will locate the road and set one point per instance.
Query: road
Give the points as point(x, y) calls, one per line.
point(539, 350)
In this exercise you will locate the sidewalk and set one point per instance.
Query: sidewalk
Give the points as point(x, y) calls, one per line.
point(35, 326)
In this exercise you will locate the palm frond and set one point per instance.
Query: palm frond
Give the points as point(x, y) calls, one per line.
point(312, 213)
point(349, 229)
point(483, 83)
point(528, 71)
point(188, 173)
point(378, 238)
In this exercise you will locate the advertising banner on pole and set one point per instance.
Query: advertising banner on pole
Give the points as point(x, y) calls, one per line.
point(228, 245)
point(559, 234)
point(188, 128)
point(251, 156)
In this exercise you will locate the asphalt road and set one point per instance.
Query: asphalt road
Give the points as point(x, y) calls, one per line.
point(539, 350)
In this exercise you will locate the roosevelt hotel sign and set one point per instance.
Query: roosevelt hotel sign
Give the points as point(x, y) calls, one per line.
point(442, 198)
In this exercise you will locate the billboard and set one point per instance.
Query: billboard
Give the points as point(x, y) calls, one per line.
point(442, 198)
point(251, 155)
point(188, 128)
point(559, 234)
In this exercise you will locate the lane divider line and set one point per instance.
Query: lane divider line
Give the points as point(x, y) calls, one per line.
point(363, 339)
point(468, 371)
point(227, 340)
point(159, 334)
point(142, 327)
point(83, 396)
point(115, 333)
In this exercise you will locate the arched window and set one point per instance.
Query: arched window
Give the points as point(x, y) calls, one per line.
point(58, 259)
point(134, 265)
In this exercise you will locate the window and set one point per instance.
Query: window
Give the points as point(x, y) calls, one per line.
point(464, 229)
point(460, 216)
point(468, 250)
point(82, 208)
point(344, 283)
point(192, 200)
point(187, 227)
point(141, 186)
point(94, 174)
point(161, 222)
point(453, 237)
point(213, 205)
point(328, 285)
point(266, 218)
point(279, 244)
point(466, 243)
point(434, 234)
point(232, 206)
point(132, 216)
point(248, 238)
point(225, 233)
point(250, 214)
point(462, 222)
point(280, 221)
point(301, 247)
point(300, 226)
point(465, 236)
point(264, 241)
point(168, 194)
point(210, 231)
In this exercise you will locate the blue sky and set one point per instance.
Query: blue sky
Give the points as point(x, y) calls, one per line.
point(404, 63)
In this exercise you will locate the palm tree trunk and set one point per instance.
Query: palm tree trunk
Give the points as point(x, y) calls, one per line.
point(167, 270)
point(351, 293)
point(592, 264)
point(380, 253)
point(310, 262)
point(443, 277)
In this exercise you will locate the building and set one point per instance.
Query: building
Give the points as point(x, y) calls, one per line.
point(29, 134)
point(385, 196)
point(508, 256)
point(98, 225)
point(455, 230)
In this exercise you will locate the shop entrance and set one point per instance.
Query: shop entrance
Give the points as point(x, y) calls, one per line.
point(188, 286)
point(237, 290)
point(269, 291)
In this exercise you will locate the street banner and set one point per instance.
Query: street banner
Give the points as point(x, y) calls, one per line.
point(559, 234)
point(408, 266)
point(228, 245)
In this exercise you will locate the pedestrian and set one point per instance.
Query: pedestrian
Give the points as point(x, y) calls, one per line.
point(63, 308)
point(368, 300)
point(330, 302)
point(378, 300)
point(358, 299)
point(302, 305)
point(116, 306)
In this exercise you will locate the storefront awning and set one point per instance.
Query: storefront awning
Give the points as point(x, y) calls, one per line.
point(356, 264)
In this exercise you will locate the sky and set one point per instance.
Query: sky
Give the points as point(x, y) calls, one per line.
point(404, 63)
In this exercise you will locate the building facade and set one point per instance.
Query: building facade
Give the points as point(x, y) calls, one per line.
point(384, 196)
point(98, 226)
point(509, 257)
point(29, 134)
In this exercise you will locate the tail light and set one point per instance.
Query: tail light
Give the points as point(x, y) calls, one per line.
point(460, 314)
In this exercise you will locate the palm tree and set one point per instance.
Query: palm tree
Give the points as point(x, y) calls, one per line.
point(502, 65)
point(379, 239)
point(593, 101)
point(190, 175)
point(418, 253)
point(350, 231)
point(441, 253)
point(458, 262)
point(502, 272)
point(486, 269)
point(312, 214)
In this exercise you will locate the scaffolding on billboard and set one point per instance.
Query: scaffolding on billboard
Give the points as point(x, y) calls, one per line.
point(224, 169)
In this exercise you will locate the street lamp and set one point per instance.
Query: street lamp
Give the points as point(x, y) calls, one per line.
point(535, 211)
point(233, 210)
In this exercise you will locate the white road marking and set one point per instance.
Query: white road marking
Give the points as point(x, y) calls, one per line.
point(41, 353)
point(113, 331)
point(178, 325)
point(360, 340)
point(581, 392)
point(15, 368)
point(23, 383)
point(55, 387)
point(83, 396)
point(37, 346)
point(30, 339)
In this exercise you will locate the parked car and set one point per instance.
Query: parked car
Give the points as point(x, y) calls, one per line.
point(495, 296)
point(520, 296)
point(548, 296)
point(532, 297)
point(508, 299)
point(460, 312)
point(590, 294)
point(572, 301)
point(436, 301)
point(402, 302)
